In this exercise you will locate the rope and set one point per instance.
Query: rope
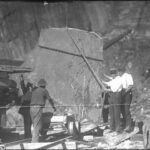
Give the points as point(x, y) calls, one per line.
point(2, 107)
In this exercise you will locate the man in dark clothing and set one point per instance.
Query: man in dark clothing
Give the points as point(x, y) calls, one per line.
point(26, 113)
point(105, 109)
point(114, 110)
point(25, 108)
point(38, 100)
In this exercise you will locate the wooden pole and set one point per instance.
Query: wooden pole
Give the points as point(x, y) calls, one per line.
point(69, 53)
point(113, 41)
point(89, 66)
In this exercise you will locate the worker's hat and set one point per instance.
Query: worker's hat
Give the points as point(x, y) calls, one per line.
point(29, 84)
point(42, 82)
point(113, 71)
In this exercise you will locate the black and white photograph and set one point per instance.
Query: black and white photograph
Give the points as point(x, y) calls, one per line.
point(74, 74)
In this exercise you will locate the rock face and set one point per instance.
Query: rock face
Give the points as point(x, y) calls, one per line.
point(67, 76)
point(21, 24)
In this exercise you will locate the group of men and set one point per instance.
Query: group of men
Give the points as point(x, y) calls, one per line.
point(119, 96)
point(33, 102)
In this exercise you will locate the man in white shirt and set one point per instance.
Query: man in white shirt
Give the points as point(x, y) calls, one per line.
point(127, 81)
point(115, 86)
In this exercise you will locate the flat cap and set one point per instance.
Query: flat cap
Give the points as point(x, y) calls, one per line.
point(42, 82)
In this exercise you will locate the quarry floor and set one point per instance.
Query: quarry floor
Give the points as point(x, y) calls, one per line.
point(88, 141)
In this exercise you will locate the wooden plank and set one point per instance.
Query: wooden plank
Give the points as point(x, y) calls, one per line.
point(69, 53)
point(117, 139)
point(44, 145)
point(58, 39)
point(28, 140)
point(11, 62)
point(115, 40)
point(15, 69)
point(17, 142)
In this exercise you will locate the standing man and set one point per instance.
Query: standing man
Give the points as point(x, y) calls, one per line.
point(115, 86)
point(38, 100)
point(106, 96)
point(105, 109)
point(25, 108)
point(127, 81)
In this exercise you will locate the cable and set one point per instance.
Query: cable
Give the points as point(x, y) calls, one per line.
point(26, 106)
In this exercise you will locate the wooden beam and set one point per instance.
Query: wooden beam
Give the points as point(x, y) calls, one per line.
point(113, 41)
point(116, 140)
point(69, 53)
point(101, 85)
point(44, 145)
point(14, 69)
point(11, 62)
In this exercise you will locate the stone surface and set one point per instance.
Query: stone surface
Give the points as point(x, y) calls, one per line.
point(21, 23)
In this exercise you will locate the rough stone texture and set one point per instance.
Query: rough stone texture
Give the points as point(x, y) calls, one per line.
point(21, 23)
point(69, 80)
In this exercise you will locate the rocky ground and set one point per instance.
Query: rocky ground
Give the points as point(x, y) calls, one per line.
point(101, 139)
point(97, 138)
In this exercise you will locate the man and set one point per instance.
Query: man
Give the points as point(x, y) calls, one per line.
point(127, 81)
point(38, 100)
point(25, 108)
point(8, 97)
point(105, 109)
point(106, 96)
point(115, 86)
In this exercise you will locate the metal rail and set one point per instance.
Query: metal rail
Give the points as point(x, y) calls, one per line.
point(17, 142)
point(56, 143)
point(48, 142)
point(20, 143)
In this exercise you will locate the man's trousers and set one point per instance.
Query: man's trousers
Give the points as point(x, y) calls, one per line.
point(105, 111)
point(114, 111)
point(36, 117)
point(125, 108)
point(27, 123)
point(3, 117)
